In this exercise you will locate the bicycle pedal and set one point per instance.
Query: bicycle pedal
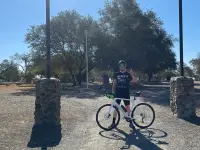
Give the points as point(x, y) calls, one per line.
point(128, 119)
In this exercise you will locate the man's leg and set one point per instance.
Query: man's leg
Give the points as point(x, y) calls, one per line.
point(128, 109)
point(115, 112)
point(127, 105)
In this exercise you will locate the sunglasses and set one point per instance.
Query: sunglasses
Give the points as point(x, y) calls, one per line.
point(122, 65)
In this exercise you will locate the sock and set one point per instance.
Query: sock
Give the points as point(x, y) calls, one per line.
point(114, 120)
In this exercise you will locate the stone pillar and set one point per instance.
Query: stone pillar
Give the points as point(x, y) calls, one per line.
point(47, 104)
point(182, 101)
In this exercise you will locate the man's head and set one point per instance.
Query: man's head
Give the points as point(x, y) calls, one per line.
point(122, 65)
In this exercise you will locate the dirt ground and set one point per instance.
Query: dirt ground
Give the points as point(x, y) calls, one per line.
point(79, 128)
point(14, 88)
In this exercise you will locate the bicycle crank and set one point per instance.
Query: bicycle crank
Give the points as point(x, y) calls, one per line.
point(128, 119)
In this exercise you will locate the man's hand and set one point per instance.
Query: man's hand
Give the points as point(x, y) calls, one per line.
point(114, 86)
point(131, 72)
point(133, 76)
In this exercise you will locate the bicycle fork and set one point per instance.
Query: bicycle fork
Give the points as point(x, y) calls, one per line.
point(108, 113)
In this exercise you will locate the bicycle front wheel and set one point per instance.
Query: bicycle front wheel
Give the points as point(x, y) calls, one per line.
point(143, 115)
point(105, 120)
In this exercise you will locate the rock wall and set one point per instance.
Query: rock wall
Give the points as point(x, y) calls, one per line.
point(182, 103)
point(47, 104)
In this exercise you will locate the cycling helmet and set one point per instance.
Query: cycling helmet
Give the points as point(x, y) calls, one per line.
point(121, 62)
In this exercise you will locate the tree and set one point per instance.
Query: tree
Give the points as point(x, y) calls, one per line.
point(67, 40)
point(124, 31)
point(188, 71)
point(137, 37)
point(196, 64)
point(22, 60)
point(9, 71)
point(38, 63)
point(167, 74)
point(119, 23)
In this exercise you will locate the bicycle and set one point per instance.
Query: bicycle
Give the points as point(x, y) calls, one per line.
point(115, 106)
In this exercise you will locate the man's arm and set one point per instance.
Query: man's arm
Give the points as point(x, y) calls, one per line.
point(133, 76)
point(114, 86)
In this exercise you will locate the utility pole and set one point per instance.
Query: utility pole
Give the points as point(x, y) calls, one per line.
point(181, 37)
point(48, 54)
point(86, 56)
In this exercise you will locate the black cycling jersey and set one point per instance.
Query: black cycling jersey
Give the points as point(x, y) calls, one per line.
point(122, 86)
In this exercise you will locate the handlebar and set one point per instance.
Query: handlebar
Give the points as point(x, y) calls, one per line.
point(112, 95)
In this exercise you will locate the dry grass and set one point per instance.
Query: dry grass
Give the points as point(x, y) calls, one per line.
point(13, 88)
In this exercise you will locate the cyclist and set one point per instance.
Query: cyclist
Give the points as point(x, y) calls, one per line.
point(121, 88)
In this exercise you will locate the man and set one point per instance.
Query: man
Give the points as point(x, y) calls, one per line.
point(121, 87)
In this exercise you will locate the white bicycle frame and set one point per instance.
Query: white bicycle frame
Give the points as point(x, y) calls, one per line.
point(114, 103)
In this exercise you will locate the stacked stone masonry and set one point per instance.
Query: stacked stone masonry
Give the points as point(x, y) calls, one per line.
point(182, 101)
point(47, 104)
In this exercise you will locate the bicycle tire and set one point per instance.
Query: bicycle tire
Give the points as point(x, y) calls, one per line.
point(152, 121)
point(97, 121)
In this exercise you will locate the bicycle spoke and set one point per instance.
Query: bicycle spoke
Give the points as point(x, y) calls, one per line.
point(104, 116)
point(143, 115)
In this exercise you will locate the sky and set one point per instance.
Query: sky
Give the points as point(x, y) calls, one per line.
point(17, 16)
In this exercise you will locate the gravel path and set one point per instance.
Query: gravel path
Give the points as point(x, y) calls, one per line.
point(80, 131)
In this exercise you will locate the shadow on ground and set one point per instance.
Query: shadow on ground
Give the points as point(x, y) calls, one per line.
point(25, 92)
point(158, 94)
point(143, 139)
point(70, 92)
point(156, 83)
point(44, 136)
point(194, 120)
point(93, 92)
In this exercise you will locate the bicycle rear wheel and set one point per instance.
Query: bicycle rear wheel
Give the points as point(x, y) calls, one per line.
point(102, 118)
point(142, 119)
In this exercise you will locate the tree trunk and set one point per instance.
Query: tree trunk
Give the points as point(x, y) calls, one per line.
point(79, 78)
point(83, 75)
point(26, 66)
point(73, 80)
point(105, 81)
point(150, 75)
point(73, 77)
